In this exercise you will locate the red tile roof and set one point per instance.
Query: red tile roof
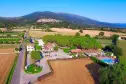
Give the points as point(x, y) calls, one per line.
point(49, 46)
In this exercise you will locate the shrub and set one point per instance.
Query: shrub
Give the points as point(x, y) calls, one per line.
point(81, 31)
point(56, 48)
point(77, 34)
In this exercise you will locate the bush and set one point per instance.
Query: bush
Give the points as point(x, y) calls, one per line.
point(101, 34)
point(77, 34)
point(56, 48)
point(87, 35)
point(16, 49)
point(81, 31)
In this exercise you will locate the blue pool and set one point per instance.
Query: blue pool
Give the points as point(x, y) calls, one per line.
point(108, 60)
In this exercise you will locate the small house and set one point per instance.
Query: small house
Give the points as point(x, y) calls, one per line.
point(49, 47)
point(30, 47)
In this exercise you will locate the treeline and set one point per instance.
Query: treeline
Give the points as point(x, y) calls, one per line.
point(62, 24)
point(83, 42)
point(9, 40)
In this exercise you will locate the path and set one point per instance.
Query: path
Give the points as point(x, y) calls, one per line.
point(18, 68)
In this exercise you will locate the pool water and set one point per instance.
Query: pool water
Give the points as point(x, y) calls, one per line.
point(108, 60)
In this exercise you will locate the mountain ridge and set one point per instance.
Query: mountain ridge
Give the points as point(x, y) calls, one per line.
point(72, 18)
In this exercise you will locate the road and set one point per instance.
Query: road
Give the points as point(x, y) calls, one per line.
point(18, 68)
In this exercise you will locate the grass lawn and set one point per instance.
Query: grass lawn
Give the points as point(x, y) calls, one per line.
point(66, 50)
point(105, 41)
point(36, 55)
point(32, 69)
point(122, 44)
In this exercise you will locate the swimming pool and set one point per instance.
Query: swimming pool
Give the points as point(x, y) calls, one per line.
point(108, 60)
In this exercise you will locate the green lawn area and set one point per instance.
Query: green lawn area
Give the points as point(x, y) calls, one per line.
point(66, 50)
point(32, 69)
point(36, 55)
point(122, 44)
point(104, 41)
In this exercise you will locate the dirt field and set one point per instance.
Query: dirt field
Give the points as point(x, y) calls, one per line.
point(90, 32)
point(75, 71)
point(39, 34)
point(20, 29)
point(8, 46)
point(6, 62)
point(64, 31)
point(8, 50)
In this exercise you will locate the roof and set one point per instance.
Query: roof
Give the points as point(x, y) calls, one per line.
point(85, 51)
point(49, 45)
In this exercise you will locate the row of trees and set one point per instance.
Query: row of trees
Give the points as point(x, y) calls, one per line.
point(112, 74)
point(84, 42)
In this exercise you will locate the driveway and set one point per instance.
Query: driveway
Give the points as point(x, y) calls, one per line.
point(58, 55)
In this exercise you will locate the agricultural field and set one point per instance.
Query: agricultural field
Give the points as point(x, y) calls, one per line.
point(65, 73)
point(122, 44)
point(9, 40)
point(90, 32)
point(6, 63)
point(19, 29)
point(9, 45)
point(38, 33)
point(104, 42)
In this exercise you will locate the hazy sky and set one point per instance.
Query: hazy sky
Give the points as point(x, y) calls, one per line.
point(102, 10)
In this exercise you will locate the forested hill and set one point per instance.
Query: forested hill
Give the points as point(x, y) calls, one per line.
point(72, 18)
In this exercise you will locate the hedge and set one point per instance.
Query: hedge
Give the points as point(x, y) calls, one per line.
point(96, 60)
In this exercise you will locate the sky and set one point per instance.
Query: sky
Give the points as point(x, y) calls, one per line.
point(113, 11)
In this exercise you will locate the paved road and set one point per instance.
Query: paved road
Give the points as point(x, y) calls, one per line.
point(18, 68)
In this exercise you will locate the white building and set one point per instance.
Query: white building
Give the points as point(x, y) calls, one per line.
point(30, 47)
point(40, 43)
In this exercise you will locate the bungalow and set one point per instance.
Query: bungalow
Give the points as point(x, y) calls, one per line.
point(49, 47)
point(30, 47)
point(89, 52)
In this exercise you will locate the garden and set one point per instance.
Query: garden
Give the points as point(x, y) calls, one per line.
point(35, 67)
point(32, 69)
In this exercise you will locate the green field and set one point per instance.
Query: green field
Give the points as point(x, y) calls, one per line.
point(122, 44)
point(104, 41)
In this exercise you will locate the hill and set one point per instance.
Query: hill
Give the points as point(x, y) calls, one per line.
point(72, 18)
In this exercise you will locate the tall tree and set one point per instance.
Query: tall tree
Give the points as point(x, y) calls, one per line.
point(101, 34)
point(115, 39)
point(112, 74)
